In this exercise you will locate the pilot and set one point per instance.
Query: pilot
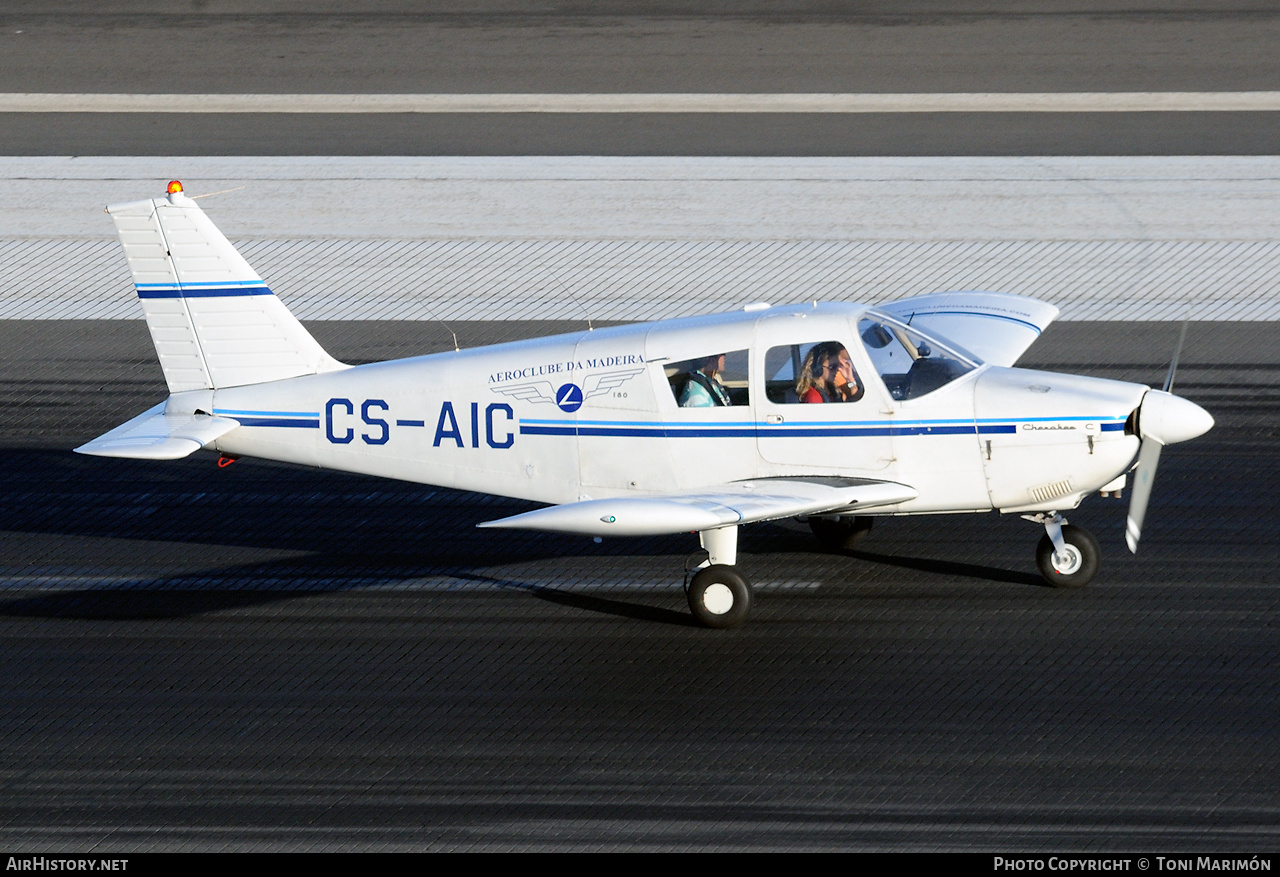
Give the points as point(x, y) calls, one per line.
point(703, 389)
point(827, 375)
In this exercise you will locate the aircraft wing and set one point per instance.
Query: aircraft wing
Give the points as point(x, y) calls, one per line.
point(709, 508)
point(154, 435)
point(997, 327)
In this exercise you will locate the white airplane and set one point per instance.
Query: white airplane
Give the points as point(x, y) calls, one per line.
point(689, 425)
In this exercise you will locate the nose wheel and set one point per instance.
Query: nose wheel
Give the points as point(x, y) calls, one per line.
point(1067, 556)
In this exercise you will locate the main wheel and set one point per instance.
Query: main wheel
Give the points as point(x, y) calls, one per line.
point(719, 597)
point(1079, 566)
point(841, 534)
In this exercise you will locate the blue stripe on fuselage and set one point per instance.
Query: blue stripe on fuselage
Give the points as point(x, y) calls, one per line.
point(806, 429)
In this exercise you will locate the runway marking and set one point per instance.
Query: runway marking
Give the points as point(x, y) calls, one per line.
point(944, 102)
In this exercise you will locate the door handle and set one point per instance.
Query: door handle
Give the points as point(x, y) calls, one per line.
point(773, 418)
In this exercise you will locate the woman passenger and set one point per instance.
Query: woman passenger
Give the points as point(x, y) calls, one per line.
point(827, 375)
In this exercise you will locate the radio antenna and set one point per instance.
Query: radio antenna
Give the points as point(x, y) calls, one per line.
point(567, 291)
point(432, 315)
point(211, 194)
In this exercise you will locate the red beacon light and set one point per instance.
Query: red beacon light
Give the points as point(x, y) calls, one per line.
point(175, 187)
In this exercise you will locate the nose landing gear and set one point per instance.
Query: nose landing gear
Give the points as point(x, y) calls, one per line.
point(1067, 556)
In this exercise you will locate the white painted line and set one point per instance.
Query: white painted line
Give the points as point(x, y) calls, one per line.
point(989, 102)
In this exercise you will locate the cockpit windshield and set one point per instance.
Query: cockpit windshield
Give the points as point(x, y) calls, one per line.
point(910, 363)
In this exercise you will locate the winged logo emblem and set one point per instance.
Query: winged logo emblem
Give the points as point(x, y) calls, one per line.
point(544, 391)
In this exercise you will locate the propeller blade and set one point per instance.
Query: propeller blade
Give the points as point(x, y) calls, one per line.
point(1173, 364)
point(1143, 479)
point(1163, 419)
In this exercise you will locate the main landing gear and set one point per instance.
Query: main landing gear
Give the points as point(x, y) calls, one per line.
point(1067, 555)
point(720, 597)
point(718, 594)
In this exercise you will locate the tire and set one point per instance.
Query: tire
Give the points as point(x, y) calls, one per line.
point(1084, 552)
point(719, 597)
point(841, 534)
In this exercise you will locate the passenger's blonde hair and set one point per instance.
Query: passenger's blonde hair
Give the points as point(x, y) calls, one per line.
point(813, 372)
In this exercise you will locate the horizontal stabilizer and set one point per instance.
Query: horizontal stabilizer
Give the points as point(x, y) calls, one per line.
point(709, 508)
point(154, 435)
point(997, 327)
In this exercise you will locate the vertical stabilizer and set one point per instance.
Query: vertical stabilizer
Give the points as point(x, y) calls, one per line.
point(213, 320)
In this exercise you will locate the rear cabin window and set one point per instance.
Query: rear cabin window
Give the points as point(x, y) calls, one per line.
point(819, 371)
point(713, 381)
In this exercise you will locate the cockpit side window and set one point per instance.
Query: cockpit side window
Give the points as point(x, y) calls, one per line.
point(812, 372)
point(712, 381)
point(910, 364)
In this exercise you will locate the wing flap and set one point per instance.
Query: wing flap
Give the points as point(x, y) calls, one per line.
point(997, 327)
point(709, 508)
point(154, 435)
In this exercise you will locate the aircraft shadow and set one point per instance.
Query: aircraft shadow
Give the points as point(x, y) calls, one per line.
point(603, 606)
point(358, 533)
point(221, 590)
point(779, 538)
point(138, 604)
point(950, 568)
point(272, 506)
point(155, 605)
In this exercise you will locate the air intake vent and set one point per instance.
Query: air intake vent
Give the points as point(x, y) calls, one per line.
point(1051, 491)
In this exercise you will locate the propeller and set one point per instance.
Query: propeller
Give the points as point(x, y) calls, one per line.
point(1143, 479)
point(1163, 419)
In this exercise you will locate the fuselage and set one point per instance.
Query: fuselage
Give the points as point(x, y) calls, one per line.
point(600, 414)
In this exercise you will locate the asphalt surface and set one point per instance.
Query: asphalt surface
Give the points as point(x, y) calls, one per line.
point(402, 47)
point(272, 657)
point(532, 46)
point(746, 134)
